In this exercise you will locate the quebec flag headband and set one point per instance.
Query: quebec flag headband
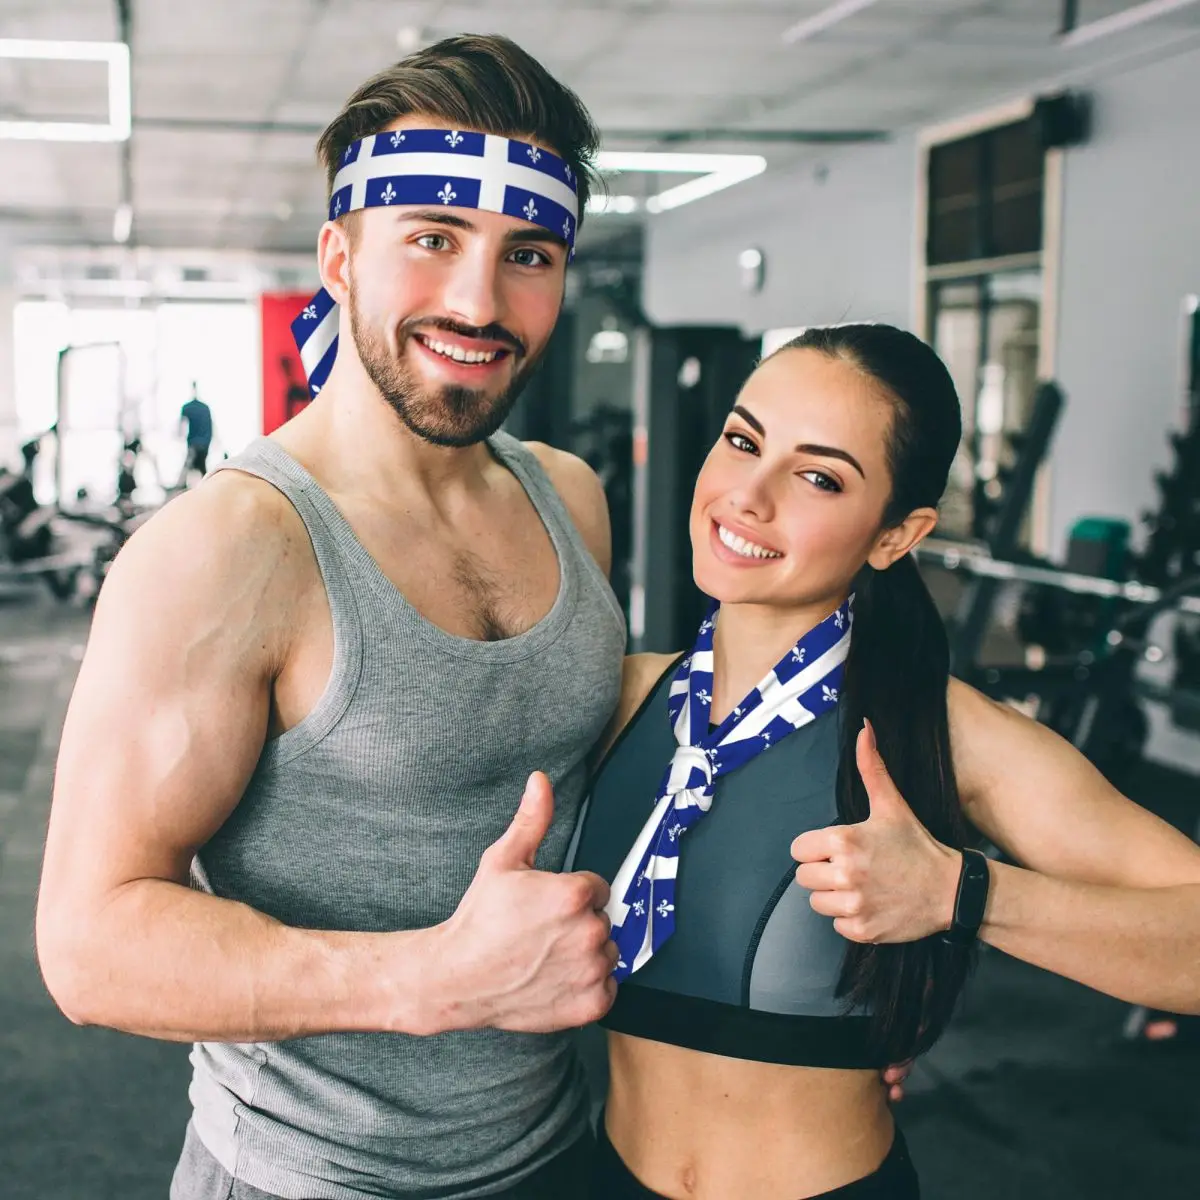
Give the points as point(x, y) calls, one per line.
point(438, 167)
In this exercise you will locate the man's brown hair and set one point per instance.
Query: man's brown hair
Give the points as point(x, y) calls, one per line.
point(482, 82)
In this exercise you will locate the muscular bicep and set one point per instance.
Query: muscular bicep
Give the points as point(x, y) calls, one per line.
point(170, 709)
point(1034, 795)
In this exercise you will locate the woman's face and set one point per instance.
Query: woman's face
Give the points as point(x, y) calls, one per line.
point(789, 502)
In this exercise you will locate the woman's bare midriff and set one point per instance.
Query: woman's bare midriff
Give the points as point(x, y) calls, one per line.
point(696, 1126)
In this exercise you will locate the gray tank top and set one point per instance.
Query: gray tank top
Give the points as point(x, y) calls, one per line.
point(371, 815)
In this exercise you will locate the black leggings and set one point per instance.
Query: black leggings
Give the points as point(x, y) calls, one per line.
point(894, 1180)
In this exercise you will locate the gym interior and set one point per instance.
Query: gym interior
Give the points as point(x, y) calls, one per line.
point(1016, 181)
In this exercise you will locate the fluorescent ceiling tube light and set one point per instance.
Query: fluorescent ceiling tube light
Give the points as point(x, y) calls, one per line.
point(1120, 21)
point(120, 104)
point(716, 172)
point(122, 223)
point(695, 189)
point(825, 19)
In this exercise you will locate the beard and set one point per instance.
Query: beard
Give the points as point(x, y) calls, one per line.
point(447, 416)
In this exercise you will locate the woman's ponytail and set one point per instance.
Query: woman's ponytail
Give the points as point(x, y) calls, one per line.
point(896, 676)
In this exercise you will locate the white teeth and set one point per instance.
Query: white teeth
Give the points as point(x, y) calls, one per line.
point(458, 354)
point(739, 545)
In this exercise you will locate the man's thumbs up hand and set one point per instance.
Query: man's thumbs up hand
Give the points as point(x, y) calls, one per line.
point(528, 950)
point(520, 842)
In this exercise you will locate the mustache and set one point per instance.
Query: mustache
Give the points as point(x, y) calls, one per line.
point(491, 333)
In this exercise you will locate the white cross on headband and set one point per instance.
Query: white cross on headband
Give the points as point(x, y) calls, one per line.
point(438, 166)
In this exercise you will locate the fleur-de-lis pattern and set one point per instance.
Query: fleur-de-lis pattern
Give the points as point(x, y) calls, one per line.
point(454, 139)
point(389, 194)
point(337, 207)
point(447, 194)
point(534, 154)
point(396, 138)
point(530, 210)
point(310, 313)
point(803, 685)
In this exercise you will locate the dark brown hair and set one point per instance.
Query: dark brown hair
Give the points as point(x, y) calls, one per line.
point(481, 82)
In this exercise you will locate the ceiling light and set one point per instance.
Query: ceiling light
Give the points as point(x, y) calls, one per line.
point(120, 106)
point(716, 172)
point(409, 38)
point(1120, 21)
point(819, 22)
point(706, 185)
point(613, 204)
point(122, 223)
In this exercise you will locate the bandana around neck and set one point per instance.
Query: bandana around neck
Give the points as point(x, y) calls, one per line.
point(440, 168)
point(803, 685)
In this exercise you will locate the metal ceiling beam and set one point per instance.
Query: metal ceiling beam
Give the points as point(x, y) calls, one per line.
point(761, 136)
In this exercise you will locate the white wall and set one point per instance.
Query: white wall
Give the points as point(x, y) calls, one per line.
point(844, 248)
point(838, 241)
point(1131, 252)
point(8, 373)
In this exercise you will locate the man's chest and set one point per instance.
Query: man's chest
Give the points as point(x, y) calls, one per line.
point(487, 575)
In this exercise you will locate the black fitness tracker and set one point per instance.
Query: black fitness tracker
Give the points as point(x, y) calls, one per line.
point(971, 900)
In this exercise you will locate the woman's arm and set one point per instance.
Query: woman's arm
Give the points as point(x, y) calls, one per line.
point(1109, 895)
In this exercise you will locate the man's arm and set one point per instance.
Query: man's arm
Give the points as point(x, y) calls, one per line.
point(165, 726)
point(164, 730)
point(583, 494)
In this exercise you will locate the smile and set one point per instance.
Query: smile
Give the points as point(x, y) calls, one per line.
point(457, 353)
point(740, 545)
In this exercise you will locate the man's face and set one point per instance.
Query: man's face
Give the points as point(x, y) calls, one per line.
point(450, 310)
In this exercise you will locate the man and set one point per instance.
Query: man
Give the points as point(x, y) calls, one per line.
point(317, 686)
point(197, 417)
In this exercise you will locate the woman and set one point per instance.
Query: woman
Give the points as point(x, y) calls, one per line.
point(758, 998)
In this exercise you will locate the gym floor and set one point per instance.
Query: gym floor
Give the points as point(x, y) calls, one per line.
point(1032, 1094)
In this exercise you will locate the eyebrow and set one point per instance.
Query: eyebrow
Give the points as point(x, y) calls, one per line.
point(804, 447)
point(436, 216)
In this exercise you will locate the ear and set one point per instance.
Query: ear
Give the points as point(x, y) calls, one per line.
point(893, 544)
point(333, 259)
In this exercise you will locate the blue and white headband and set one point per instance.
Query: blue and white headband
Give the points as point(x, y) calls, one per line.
point(438, 166)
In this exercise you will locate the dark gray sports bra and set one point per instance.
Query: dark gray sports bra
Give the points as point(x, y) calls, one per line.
point(751, 971)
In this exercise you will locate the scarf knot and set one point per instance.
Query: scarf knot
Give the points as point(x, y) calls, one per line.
point(803, 685)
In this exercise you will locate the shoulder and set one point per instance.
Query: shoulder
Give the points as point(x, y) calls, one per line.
point(990, 741)
point(582, 493)
point(233, 548)
point(639, 675)
point(231, 516)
